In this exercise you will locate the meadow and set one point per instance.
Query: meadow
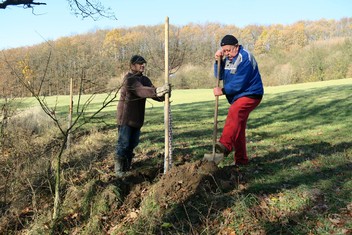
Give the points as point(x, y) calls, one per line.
point(299, 180)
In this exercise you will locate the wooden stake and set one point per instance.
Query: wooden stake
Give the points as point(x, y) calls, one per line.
point(70, 115)
point(166, 106)
point(215, 131)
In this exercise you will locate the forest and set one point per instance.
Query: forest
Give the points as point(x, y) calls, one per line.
point(305, 51)
point(299, 179)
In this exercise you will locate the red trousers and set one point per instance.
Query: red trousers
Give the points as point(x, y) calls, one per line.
point(234, 133)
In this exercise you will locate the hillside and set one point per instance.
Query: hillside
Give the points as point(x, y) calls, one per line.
point(306, 51)
point(299, 180)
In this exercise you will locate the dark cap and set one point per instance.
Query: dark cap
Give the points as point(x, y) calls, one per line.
point(137, 59)
point(229, 40)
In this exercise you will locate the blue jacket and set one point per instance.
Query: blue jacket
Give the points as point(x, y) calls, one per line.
point(240, 76)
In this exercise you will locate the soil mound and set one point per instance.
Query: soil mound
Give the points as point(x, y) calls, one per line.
point(190, 179)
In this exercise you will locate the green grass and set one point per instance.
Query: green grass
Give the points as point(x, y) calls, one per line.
point(293, 122)
point(299, 144)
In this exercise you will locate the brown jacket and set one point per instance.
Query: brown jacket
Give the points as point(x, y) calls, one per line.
point(131, 106)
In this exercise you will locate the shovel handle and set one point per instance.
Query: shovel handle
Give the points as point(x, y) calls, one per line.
point(215, 132)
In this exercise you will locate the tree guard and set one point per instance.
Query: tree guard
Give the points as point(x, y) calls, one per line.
point(167, 109)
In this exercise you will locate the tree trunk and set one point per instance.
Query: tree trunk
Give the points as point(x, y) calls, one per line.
point(57, 205)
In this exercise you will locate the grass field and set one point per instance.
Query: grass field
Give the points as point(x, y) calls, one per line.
point(300, 145)
point(299, 180)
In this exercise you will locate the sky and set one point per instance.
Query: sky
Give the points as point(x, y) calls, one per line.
point(24, 27)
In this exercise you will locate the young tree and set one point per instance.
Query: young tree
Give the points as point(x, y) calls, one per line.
point(81, 117)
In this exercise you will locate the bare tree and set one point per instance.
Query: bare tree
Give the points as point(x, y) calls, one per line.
point(82, 117)
point(25, 3)
point(156, 47)
point(84, 8)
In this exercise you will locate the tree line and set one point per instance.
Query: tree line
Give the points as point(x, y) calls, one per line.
point(302, 52)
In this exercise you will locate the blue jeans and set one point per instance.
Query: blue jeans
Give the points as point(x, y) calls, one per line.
point(128, 139)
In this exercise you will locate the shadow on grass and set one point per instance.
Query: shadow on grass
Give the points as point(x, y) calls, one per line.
point(328, 179)
point(201, 209)
point(318, 106)
point(301, 110)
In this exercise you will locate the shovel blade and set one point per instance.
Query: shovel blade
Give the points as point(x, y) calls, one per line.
point(210, 157)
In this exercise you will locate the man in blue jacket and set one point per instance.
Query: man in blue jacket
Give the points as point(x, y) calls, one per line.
point(243, 87)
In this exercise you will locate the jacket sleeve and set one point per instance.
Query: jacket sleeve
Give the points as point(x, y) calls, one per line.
point(222, 64)
point(143, 90)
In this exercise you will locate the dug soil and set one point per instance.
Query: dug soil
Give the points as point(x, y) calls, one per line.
point(185, 187)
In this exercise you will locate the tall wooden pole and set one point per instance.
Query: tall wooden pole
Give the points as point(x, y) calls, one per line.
point(167, 103)
point(215, 132)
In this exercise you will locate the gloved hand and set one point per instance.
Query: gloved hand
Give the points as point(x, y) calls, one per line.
point(161, 91)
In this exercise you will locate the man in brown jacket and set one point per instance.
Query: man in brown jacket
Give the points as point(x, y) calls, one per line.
point(136, 88)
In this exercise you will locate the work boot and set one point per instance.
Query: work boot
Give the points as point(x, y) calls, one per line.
point(127, 165)
point(119, 166)
point(222, 149)
point(129, 162)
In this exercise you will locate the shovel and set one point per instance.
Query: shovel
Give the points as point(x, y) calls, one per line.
point(215, 157)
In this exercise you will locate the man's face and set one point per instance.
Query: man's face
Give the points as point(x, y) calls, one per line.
point(138, 68)
point(230, 51)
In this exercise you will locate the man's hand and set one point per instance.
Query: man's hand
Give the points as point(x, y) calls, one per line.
point(218, 91)
point(161, 91)
point(219, 54)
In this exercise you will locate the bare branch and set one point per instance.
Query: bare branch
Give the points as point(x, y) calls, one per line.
point(91, 8)
point(83, 8)
point(25, 3)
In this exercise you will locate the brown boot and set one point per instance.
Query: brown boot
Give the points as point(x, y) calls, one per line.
point(128, 164)
point(119, 166)
point(222, 149)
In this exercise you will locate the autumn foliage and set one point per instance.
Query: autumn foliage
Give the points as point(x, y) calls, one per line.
point(302, 52)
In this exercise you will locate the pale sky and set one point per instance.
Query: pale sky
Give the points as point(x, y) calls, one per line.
point(20, 27)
